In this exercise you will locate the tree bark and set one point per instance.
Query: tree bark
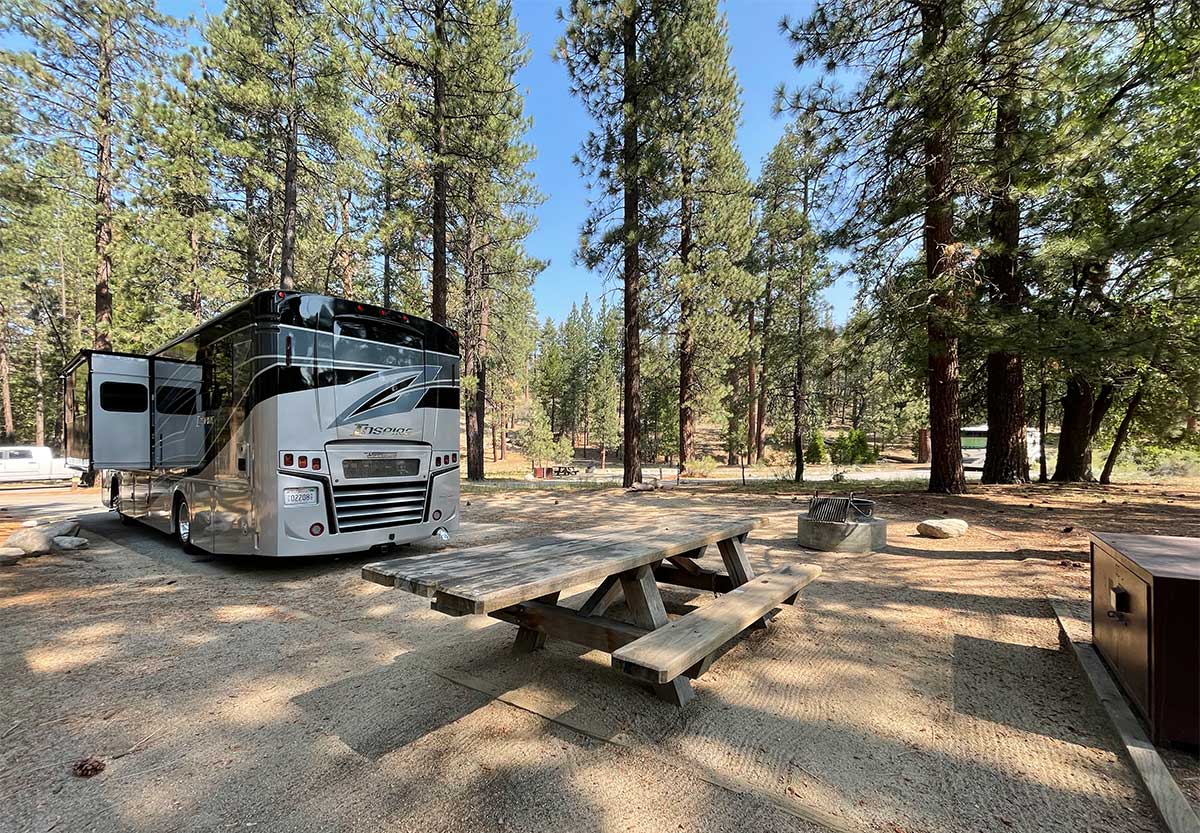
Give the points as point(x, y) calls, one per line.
point(798, 417)
point(1006, 458)
point(687, 341)
point(945, 422)
point(632, 250)
point(1123, 429)
point(760, 423)
point(751, 392)
point(345, 256)
point(733, 427)
point(5, 390)
point(923, 445)
point(1043, 477)
point(102, 338)
point(1081, 405)
point(39, 381)
point(438, 278)
point(291, 172)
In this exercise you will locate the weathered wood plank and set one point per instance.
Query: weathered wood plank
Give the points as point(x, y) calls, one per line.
point(529, 580)
point(594, 632)
point(672, 649)
point(602, 598)
point(430, 572)
point(646, 605)
point(706, 579)
point(531, 639)
point(736, 564)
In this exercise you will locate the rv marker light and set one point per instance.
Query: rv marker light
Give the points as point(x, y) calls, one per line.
point(289, 459)
point(316, 529)
point(437, 514)
point(303, 463)
point(316, 464)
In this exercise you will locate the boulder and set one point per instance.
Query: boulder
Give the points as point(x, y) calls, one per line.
point(942, 528)
point(10, 556)
point(38, 540)
point(70, 542)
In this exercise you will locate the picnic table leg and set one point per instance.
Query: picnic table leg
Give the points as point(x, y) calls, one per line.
point(738, 567)
point(646, 604)
point(528, 640)
point(603, 597)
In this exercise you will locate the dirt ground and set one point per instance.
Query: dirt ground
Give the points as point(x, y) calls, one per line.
point(921, 689)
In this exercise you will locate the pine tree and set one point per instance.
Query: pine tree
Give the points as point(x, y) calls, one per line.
point(617, 56)
point(80, 75)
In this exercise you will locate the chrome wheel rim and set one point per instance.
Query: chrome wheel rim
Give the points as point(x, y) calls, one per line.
point(185, 523)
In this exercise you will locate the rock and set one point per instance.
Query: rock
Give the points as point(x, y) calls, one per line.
point(10, 556)
point(38, 540)
point(70, 542)
point(942, 528)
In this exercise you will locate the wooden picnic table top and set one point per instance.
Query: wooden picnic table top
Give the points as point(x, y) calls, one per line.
point(491, 577)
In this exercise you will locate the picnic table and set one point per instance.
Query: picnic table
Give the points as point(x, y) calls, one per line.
point(521, 582)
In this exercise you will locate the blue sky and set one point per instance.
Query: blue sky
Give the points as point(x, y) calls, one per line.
point(762, 59)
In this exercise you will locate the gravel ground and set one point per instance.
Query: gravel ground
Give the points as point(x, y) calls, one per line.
point(920, 689)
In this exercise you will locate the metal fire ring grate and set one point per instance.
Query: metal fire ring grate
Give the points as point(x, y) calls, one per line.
point(839, 509)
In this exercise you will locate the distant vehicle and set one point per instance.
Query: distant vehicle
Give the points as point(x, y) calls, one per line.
point(974, 446)
point(291, 424)
point(31, 463)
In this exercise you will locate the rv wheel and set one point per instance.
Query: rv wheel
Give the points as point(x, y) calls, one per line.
point(115, 501)
point(183, 526)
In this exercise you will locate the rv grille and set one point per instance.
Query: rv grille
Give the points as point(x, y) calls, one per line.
point(375, 505)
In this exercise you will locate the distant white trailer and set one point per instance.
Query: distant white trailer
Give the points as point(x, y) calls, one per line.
point(974, 446)
point(31, 464)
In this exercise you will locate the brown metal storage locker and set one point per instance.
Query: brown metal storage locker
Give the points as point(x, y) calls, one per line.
point(1146, 626)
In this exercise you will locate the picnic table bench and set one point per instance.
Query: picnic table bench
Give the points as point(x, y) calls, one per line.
point(521, 581)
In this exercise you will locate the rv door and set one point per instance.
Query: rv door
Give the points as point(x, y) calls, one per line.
point(119, 407)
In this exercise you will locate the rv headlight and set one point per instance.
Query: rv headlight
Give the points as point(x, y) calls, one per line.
point(302, 496)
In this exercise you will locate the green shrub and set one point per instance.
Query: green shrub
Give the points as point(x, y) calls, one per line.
point(816, 453)
point(1161, 461)
point(701, 467)
point(851, 448)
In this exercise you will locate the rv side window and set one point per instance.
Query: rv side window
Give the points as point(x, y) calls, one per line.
point(171, 399)
point(20, 454)
point(383, 332)
point(123, 397)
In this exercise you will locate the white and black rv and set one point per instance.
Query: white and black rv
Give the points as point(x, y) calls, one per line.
point(291, 424)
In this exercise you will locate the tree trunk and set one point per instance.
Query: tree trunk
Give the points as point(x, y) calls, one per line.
point(1006, 458)
point(345, 256)
point(945, 422)
point(923, 445)
point(687, 341)
point(387, 208)
point(1193, 413)
point(5, 390)
point(760, 423)
point(1075, 438)
point(251, 253)
point(1131, 410)
point(102, 338)
point(287, 254)
point(751, 393)
point(438, 277)
point(632, 249)
point(798, 417)
point(39, 408)
point(733, 428)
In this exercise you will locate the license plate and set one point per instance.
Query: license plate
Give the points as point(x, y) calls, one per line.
point(305, 496)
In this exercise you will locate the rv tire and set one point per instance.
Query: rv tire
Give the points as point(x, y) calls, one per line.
point(115, 501)
point(183, 525)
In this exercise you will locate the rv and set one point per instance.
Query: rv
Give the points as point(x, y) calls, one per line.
point(974, 446)
point(292, 424)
